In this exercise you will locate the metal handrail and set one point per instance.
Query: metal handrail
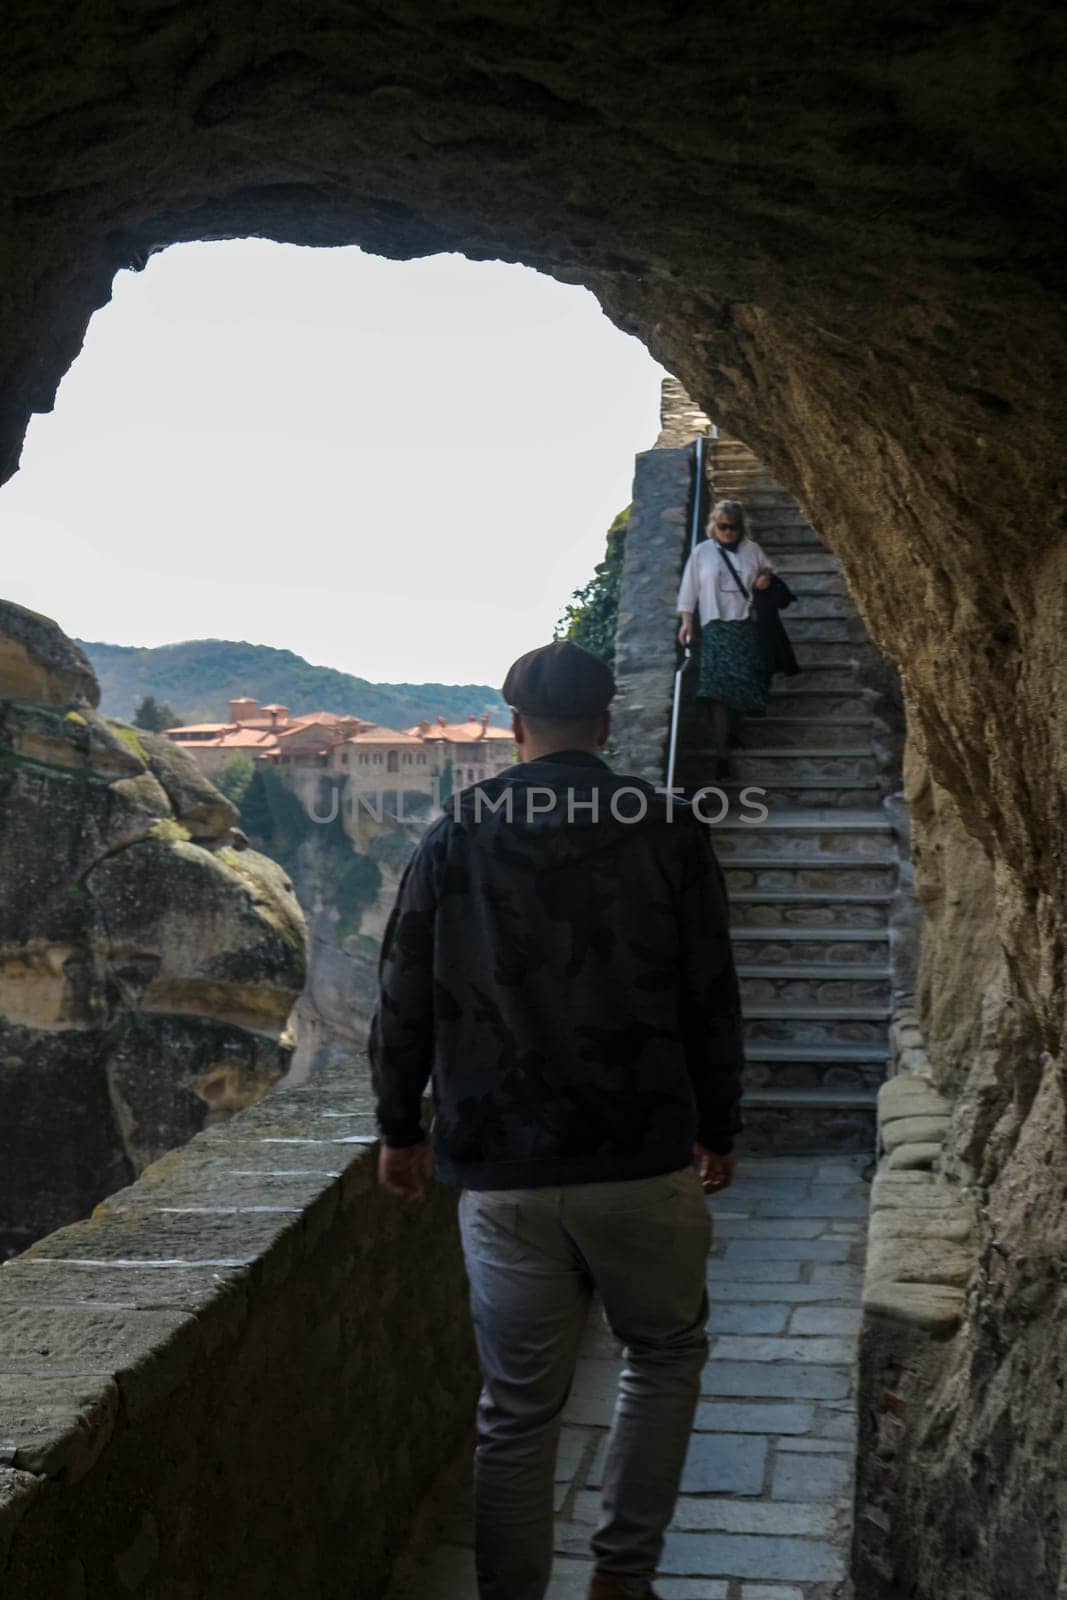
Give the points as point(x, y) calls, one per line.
point(694, 538)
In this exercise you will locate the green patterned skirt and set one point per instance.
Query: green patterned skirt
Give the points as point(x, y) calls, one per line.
point(732, 668)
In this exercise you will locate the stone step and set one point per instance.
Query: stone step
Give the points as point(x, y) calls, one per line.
point(755, 494)
point(814, 626)
point(798, 697)
point(795, 947)
point(776, 908)
point(813, 563)
point(807, 585)
point(819, 872)
point(813, 1026)
point(861, 832)
point(774, 733)
point(795, 762)
point(736, 480)
point(735, 464)
point(779, 538)
point(852, 983)
point(842, 679)
point(741, 795)
point(819, 655)
point(875, 1013)
point(813, 1076)
point(840, 1098)
point(792, 756)
point(826, 1066)
point(816, 603)
point(758, 488)
point(781, 1121)
point(770, 520)
point(821, 875)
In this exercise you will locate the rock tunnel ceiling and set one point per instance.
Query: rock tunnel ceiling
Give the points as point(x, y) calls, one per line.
point(839, 226)
point(836, 227)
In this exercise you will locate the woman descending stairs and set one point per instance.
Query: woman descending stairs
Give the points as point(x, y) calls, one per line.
point(811, 886)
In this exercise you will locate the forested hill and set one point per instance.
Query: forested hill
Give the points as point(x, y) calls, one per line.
point(200, 676)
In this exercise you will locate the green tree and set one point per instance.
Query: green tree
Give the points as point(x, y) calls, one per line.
point(357, 884)
point(593, 613)
point(154, 715)
point(234, 777)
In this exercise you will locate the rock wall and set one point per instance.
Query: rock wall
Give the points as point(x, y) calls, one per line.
point(961, 1365)
point(148, 961)
point(331, 1022)
point(240, 1376)
point(841, 228)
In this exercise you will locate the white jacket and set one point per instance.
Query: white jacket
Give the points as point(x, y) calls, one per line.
point(707, 583)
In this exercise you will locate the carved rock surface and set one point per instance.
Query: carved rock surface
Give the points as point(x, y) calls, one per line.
point(145, 976)
point(841, 228)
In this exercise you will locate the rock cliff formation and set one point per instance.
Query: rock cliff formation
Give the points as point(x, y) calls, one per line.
point(841, 227)
point(332, 1018)
point(148, 961)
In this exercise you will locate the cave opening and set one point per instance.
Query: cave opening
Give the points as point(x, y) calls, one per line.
point(301, 508)
point(864, 286)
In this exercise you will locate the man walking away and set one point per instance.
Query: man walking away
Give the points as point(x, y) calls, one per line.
point(558, 963)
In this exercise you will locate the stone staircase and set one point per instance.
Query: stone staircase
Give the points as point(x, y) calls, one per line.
point(810, 887)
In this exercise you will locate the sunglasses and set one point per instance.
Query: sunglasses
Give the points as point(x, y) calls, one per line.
point(732, 527)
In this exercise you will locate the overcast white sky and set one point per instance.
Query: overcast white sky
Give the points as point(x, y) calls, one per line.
point(401, 469)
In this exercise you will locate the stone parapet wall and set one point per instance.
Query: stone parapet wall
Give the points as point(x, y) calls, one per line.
point(240, 1376)
point(657, 541)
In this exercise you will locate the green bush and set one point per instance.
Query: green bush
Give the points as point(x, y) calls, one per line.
point(277, 824)
point(592, 616)
point(154, 715)
point(357, 888)
point(234, 777)
point(392, 850)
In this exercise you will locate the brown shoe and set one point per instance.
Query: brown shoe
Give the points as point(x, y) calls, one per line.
point(602, 1586)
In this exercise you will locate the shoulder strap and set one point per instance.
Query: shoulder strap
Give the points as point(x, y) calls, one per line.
point(733, 570)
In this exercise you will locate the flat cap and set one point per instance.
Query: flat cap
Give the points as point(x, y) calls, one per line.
point(559, 680)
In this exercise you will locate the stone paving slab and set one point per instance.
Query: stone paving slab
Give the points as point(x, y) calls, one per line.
point(766, 1417)
point(736, 1317)
point(765, 1508)
point(735, 1227)
point(773, 1380)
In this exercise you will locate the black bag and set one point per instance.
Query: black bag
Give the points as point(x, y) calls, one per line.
point(775, 644)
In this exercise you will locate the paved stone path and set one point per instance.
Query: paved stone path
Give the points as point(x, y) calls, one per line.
point(765, 1509)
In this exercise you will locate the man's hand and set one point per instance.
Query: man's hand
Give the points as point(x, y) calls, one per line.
point(405, 1172)
point(716, 1172)
point(764, 580)
point(685, 632)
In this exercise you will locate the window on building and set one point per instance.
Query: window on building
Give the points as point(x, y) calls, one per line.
point(344, 758)
point(377, 758)
point(421, 759)
point(393, 762)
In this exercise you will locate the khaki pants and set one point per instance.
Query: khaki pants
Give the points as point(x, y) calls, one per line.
point(534, 1258)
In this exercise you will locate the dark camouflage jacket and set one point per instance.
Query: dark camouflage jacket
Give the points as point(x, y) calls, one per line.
point(565, 981)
